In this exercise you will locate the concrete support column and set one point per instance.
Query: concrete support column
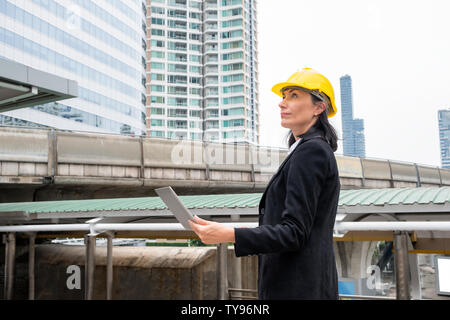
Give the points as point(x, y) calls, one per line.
point(402, 274)
point(10, 253)
point(89, 266)
point(222, 277)
point(109, 266)
point(31, 260)
point(353, 258)
point(235, 271)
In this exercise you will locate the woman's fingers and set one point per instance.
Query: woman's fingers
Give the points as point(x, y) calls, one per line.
point(210, 232)
point(194, 226)
point(201, 221)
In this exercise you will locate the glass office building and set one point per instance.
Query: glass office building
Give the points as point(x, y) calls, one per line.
point(202, 73)
point(352, 129)
point(99, 45)
point(444, 136)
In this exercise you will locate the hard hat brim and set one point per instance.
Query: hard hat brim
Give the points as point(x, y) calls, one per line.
point(278, 87)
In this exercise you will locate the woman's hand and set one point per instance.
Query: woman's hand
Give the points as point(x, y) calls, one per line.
point(211, 232)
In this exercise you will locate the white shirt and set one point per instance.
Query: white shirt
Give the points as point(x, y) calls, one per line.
point(294, 145)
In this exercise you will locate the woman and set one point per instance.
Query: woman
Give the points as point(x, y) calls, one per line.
point(297, 210)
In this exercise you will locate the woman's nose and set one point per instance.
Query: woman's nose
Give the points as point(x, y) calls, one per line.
point(282, 104)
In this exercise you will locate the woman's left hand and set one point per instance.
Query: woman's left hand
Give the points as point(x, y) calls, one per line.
point(211, 232)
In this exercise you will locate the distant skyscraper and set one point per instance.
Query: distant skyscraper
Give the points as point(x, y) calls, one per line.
point(352, 129)
point(99, 44)
point(444, 136)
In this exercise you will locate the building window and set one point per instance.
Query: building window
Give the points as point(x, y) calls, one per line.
point(195, 113)
point(233, 123)
point(157, 44)
point(177, 102)
point(157, 88)
point(158, 21)
point(234, 134)
point(157, 111)
point(158, 54)
point(233, 112)
point(158, 32)
point(233, 67)
point(233, 100)
point(158, 10)
point(177, 113)
point(157, 76)
point(232, 12)
point(232, 34)
point(158, 134)
point(157, 123)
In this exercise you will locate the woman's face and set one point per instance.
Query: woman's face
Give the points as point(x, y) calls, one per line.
point(297, 109)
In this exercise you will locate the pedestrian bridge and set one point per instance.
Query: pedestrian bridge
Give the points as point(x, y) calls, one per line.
point(47, 164)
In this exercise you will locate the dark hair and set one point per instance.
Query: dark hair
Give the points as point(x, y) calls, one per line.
point(321, 123)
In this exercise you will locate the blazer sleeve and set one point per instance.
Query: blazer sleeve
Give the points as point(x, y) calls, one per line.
point(308, 169)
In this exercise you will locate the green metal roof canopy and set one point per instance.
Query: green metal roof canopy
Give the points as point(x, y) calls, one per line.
point(435, 199)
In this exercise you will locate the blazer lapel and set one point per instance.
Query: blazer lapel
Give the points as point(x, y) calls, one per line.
point(312, 133)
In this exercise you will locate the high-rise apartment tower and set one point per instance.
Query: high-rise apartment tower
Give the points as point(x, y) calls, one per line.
point(202, 71)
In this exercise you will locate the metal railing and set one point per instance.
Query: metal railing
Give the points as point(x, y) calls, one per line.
point(232, 295)
point(360, 297)
point(254, 295)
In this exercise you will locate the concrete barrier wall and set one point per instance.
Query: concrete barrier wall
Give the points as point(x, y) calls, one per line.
point(88, 154)
point(429, 174)
point(23, 145)
point(161, 153)
point(98, 149)
point(374, 169)
point(349, 167)
point(228, 157)
point(404, 172)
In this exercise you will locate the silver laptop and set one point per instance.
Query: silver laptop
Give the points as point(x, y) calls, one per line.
point(175, 205)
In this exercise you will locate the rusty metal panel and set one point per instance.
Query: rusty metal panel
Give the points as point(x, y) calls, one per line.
point(403, 172)
point(162, 153)
point(98, 149)
point(429, 174)
point(23, 145)
point(376, 169)
point(349, 167)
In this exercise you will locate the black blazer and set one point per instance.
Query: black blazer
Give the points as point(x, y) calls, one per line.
point(297, 212)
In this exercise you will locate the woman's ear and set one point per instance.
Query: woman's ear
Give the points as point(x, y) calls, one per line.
point(321, 107)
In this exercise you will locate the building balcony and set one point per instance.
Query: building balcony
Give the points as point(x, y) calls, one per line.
point(211, 17)
point(212, 92)
point(209, 27)
point(211, 48)
point(211, 37)
point(210, 5)
point(212, 70)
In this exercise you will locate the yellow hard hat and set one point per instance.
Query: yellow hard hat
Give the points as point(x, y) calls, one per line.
point(312, 80)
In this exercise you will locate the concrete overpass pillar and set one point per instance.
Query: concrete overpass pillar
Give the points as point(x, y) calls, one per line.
point(353, 258)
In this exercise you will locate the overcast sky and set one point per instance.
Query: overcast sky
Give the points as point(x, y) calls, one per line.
point(397, 53)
